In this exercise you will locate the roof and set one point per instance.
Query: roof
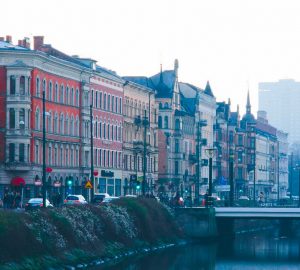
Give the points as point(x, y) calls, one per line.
point(8, 46)
point(208, 90)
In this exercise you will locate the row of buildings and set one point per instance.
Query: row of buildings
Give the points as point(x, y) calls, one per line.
point(132, 129)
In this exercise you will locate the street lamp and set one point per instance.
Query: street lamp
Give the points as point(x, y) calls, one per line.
point(231, 193)
point(44, 150)
point(92, 152)
point(210, 152)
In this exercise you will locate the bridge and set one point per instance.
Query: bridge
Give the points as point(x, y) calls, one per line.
point(199, 222)
point(257, 212)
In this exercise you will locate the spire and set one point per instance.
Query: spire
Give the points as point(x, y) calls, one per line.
point(207, 90)
point(238, 109)
point(161, 80)
point(248, 106)
point(176, 66)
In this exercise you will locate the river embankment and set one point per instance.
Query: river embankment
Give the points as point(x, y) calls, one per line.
point(52, 238)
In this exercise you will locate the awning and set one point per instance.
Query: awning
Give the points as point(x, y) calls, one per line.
point(17, 181)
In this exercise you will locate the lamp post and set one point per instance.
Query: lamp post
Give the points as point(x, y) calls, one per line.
point(145, 124)
point(44, 151)
point(231, 193)
point(92, 152)
point(210, 152)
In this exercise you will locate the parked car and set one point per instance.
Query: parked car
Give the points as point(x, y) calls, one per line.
point(36, 203)
point(131, 196)
point(99, 197)
point(75, 200)
point(109, 199)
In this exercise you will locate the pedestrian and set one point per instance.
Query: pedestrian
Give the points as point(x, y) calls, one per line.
point(5, 201)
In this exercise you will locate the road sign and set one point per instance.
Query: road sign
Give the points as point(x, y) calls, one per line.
point(220, 188)
point(88, 184)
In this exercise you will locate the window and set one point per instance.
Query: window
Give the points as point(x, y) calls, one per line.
point(96, 99)
point(166, 123)
point(240, 139)
point(102, 185)
point(49, 155)
point(50, 122)
point(176, 146)
point(12, 120)
point(61, 94)
point(37, 153)
point(67, 125)
point(21, 152)
point(56, 93)
point(11, 152)
point(50, 91)
point(100, 100)
point(104, 158)
point(176, 167)
point(116, 108)
point(22, 118)
point(22, 85)
point(110, 186)
point(61, 124)
point(108, 103)
point(118, 187)
point(12, 85)
point(108, 131)
point(55, 156)
point(112, 103)
point(77, 127)
point(77, 97)
point(67, 95)
point(177, 124)
point(72, 96)
point(104, 130)
point(37, 119)
point(104, 101)
point(38, 90)
point(44, 87)
point(159, 122)
point(72, 126)
point(120, 106)
point(55, 123)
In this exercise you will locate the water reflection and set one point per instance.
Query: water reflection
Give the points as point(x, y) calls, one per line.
point(260, 251)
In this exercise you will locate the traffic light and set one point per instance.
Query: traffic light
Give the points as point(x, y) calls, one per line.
point(70, 181)
point(138, 187)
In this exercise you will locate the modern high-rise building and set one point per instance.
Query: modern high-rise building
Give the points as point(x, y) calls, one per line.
point(281, 102)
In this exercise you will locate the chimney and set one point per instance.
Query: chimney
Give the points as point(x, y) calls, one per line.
point(1, 38)
point(9, 39)
point(38, 42)
point(20, 42)
point(26, 42)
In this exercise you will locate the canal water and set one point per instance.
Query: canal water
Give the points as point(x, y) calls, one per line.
point(264, 250)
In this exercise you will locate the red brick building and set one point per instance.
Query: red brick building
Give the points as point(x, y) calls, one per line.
point(70, 85)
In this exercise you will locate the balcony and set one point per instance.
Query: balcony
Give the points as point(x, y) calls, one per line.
point(18, 132)
point(18, 98)
point(18, 166)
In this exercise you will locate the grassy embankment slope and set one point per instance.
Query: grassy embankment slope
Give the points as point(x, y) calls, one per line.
point(51, 237)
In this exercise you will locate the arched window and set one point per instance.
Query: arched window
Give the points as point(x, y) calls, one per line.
point(37, 119)
point(44, 87)
point(67, 95)
point(160, 105)
point(50, 122)
point(72, 126)
point(22, 85)
point(56, 93)
point(56, 123)
point(104, 101)
point(104, 130)
point(61, 124)
point(12, 118)
point(96, 128)
point(38, 90)
point(77, 127)
point(50, 91)
point(166, 123)
point(77, 97)
point(116, 109)
point(72, 96)
point(108, 102)
point(120, 106)
point(67, 125)
point(11, 152)
point(159, 122)
point(100, 100)
point(96, 99)
point(61, 94)
point(166, 105)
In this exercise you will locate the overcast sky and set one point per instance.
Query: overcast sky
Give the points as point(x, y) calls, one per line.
point(233, 44)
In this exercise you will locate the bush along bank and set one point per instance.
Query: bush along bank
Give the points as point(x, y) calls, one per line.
point(81, 234)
